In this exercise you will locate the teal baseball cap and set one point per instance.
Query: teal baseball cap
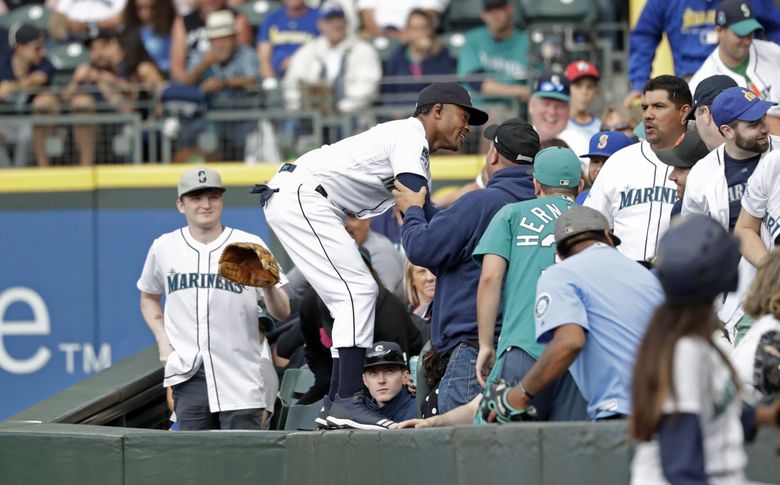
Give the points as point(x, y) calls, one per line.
point(557, 167)
point(737, 15)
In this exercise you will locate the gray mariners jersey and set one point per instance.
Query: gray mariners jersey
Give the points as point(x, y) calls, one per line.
point(358, 172)
point(762, 195)
point(208, 319)
point(763, 70)
point(634, 193)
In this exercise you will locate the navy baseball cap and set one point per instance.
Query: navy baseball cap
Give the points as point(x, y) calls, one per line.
point(491, 4)
point(606, 143)
point(738, 104)
point(708, 89)
point(331, 9)
point(737, 15)
point(452, 93)
point(552, 84)
point(515, 139)
point(688, 150)
point(697, 260)
point(385, 353)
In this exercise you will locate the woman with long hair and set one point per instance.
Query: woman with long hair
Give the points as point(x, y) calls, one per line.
point(687, 413)
point(153, 22)
point(419, 287)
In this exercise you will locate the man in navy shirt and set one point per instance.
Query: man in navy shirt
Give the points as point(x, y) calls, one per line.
point(384, 375)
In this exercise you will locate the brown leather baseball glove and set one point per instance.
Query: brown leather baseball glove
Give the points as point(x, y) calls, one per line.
point(249, 264)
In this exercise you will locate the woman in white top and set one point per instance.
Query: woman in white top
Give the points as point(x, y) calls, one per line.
point(687, 411)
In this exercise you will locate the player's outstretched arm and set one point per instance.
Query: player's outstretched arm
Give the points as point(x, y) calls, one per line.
point(277, 302)
point(460, 415)
point(153, 316)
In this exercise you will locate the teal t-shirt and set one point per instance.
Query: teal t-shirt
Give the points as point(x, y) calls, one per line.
point(504, 61)
point(523, 234)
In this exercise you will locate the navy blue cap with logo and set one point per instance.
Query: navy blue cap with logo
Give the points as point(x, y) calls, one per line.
point(552, 84)
point(385, 353)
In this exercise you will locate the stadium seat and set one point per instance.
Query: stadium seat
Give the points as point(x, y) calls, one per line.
point(462, 15)
point(582, 12)
point(385, 46)
point(256, 10)
point(65, 57)
point(35, 15)
point(295, 383)
point(454, 41)
point(301, 417)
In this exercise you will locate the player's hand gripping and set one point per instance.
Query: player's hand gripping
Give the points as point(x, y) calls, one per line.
point(406, 197)
point(486, 359)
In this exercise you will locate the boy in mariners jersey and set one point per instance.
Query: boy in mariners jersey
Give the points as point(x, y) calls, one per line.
point(208, 334)
point(520, 244)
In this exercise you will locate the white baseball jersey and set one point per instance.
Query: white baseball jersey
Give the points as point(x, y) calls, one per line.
point(90, 10)
point(763, 70)
point(744, 356)
point(395, 13)
point(208, 319)
point(762, 195)
point(579, 143)
point(358, 172)
point(704, 386)
point(635, 194)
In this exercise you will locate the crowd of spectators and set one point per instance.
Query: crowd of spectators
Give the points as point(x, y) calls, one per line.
point(175, 60)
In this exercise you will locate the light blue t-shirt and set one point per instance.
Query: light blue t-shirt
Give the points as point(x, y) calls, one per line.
point(612, 298)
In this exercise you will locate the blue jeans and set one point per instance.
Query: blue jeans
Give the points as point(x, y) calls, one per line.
point(459, 383)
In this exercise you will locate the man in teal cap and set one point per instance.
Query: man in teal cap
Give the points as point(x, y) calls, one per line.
point(754, 64)
point(519, 244)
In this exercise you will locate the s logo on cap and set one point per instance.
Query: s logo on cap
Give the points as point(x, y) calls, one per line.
point(201, 176)
point(602, 141)
point(749, 95)
point(745, 10)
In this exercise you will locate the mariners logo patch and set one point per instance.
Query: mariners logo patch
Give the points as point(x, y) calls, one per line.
point(542, 304)
point(425, 157)
point(602, 141)
point(201, 176)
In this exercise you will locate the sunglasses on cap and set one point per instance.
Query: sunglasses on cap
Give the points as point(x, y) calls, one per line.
point(387, 356)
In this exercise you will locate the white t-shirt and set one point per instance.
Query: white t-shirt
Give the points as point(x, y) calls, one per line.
point(588, 130)
point(634, 193)
point(396, 12)
point(579, 143)
point(744, 356)
point(208, 319)
point(762, 195)
point(90, 10)
point(358, 172)
point(704, 386)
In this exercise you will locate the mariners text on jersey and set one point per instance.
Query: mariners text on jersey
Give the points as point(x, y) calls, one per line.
point(544, 215)
point(183, 281)
point(631, 197)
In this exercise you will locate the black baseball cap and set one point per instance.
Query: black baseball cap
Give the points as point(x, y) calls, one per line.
point(708, 89)
point(385, 353)
point(452, 93)
point(515, 139)
point(737, 15)
point(489, 4)
point(27, 33)
point(688, 150)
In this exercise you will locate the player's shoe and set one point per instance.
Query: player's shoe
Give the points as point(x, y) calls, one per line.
point(354, 412)
point(321, 421)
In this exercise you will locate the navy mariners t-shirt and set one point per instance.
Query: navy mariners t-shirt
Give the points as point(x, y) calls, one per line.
point(737, 174)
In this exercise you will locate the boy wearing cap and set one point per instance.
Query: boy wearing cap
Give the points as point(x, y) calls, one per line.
point(348, 65)
point(584, 79)
point(384, 374)
point(306, 204)
point(602, 145)
point(27, 68)
point(701, 109)
point(515, 249)
point(591, 310)
point(754, 64)
point(208, 334)
point(444, 243)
